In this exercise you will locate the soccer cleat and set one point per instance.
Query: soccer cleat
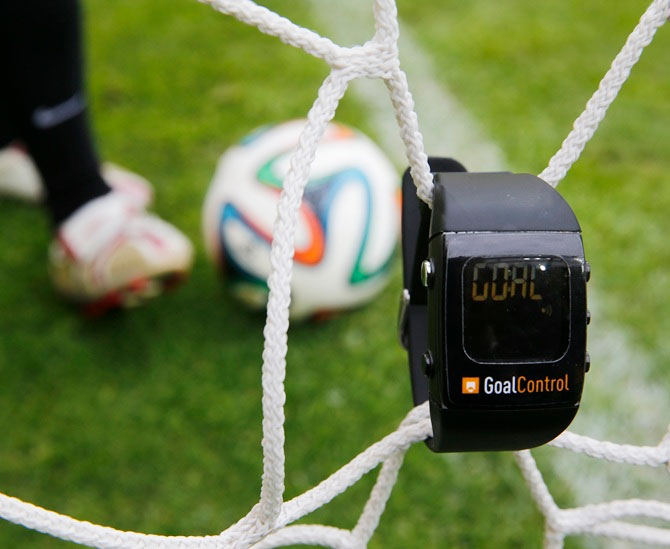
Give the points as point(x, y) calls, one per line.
point(20, 179)
point(112, 254)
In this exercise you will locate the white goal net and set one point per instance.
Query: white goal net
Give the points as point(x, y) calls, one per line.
point(268, 523)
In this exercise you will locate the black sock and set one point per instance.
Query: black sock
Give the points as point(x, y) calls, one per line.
point(47, 104)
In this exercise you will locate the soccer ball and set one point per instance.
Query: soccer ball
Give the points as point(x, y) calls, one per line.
point(347, 228)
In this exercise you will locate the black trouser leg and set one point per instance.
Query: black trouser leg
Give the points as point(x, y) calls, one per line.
point(45, 99)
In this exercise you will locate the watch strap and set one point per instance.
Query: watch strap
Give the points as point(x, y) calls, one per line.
point(413, 321)
point(512, 202)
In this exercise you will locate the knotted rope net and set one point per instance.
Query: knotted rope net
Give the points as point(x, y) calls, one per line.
point(268, 523)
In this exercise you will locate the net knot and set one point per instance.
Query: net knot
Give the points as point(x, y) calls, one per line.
point(374, 59)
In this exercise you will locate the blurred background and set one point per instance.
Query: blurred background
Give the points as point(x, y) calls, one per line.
point(151, 421)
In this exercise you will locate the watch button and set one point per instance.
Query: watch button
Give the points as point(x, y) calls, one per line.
point(427, 364)
point(588, 317)
point(587, 271)
point(587, 362)
point(427, 272)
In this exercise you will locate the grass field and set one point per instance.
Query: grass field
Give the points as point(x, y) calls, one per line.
point(150, 421)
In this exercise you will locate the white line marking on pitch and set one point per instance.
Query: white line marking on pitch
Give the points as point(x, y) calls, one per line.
point(620, 403)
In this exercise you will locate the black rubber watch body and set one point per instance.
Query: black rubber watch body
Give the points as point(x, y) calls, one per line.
point(493, 312)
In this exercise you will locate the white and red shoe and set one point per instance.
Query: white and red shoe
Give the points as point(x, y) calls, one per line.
point(111, 253)
point(20, 179)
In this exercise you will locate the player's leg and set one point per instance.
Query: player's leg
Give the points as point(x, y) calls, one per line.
point(44, 58)
point(18, 175)
point(48, 104)
point(108, 251)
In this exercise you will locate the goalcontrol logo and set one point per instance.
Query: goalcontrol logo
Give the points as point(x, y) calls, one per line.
point(515, 385)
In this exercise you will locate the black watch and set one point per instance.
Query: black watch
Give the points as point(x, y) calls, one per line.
point(493, 311)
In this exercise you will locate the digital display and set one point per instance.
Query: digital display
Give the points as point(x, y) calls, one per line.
point(516, 309)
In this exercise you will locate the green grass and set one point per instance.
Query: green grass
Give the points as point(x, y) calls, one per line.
point(150, 420)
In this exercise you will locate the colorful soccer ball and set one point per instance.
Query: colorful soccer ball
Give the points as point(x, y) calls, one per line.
point(348, 221)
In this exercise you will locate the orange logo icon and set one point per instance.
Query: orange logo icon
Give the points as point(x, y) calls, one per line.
point(470, 385)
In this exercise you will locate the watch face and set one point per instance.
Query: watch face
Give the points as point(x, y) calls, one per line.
point(509, 311)
point(516, 309)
